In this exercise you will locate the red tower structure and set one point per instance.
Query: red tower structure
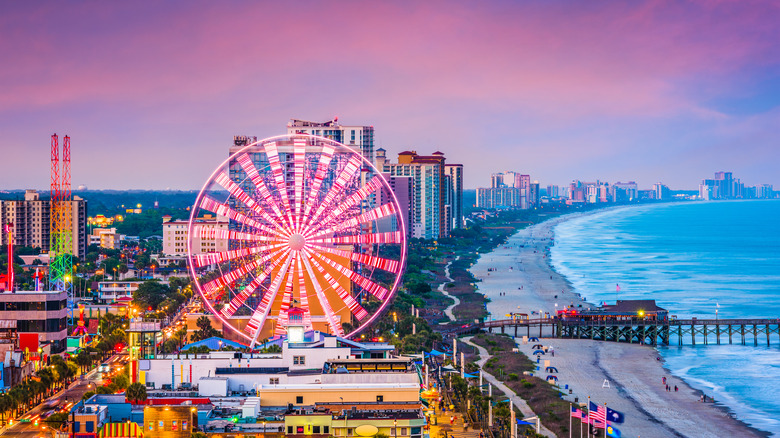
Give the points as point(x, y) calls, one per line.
point(60, 240)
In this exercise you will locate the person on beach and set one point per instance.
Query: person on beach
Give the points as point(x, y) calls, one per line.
point(664, 380)
point(675, 388)
point(452, 420)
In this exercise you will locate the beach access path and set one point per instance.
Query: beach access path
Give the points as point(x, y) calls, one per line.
point(443, 286)
point(517, 277)
point(516, 400)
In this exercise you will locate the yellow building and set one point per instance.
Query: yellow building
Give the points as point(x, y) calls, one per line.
point(308, 395)
point(402, 420)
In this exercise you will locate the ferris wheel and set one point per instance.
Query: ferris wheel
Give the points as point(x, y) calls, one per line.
point(296, 225)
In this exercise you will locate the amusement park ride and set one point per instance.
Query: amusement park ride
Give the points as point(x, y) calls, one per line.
point(60, 237)
point(313, 225)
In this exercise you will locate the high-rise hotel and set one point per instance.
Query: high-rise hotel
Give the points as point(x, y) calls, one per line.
point(435, 191)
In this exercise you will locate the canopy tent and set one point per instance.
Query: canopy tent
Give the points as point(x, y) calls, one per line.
point(538, 346)
point(538, 352)
point(215, 343)
point(532, 339)
point(552, 377)
point(551, 369)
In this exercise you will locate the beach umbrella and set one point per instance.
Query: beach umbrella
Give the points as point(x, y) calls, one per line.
point(533, 339)
point(538, 352)
point(551, 370)
point(537, 346)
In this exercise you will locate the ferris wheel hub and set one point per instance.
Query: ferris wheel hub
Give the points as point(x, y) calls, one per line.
point(297, 242)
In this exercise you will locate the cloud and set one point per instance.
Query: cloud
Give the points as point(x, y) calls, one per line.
point(580, 79)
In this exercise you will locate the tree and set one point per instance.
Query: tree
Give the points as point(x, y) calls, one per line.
point(56, 421)
point(121, 381)
point(205, 330)
point(136, 393)
point(150, 294)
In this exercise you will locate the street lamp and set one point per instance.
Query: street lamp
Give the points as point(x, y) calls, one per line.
point(395, 428)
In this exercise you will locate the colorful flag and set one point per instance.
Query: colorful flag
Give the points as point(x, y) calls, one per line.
point(613, 432)
point(614, 416)
point(576, 413)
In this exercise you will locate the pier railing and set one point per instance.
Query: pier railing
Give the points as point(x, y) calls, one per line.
point(643, 331)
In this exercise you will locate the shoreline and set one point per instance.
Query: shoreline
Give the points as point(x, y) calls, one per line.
point(634, 371)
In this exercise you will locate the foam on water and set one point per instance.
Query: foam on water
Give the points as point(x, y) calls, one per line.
point(692, 258)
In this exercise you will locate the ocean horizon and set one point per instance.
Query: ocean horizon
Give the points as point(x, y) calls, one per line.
point(696, 259)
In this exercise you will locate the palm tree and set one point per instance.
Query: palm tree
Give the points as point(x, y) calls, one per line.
point(135, 393)
point(5, 406)
point(47, 377)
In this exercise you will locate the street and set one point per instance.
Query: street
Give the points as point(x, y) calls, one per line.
point(63, 399)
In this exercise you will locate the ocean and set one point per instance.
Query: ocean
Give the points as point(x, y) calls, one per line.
point(694, 259)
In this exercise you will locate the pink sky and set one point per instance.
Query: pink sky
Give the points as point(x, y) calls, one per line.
point(152, 93)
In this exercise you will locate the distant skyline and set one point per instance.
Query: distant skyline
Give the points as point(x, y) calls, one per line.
point(152, 93)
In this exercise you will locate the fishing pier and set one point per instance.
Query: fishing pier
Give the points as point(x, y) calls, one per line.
point(637, 322)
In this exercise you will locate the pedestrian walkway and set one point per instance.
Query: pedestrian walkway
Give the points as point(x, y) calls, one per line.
point(516, 400)
point(456, 430)
point(448, 310)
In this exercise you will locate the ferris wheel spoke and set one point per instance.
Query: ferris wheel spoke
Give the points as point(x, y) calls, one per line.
point(371, 215)
point(388, 265)
point(214, 286)
point(212, 205)
point(211, 258)
point(304, 296)
point(240, 298)
point(281, 186)
point(299, 157)
point(372, 186)
point(260, 314)
point(322, 170)
point(251, 171)
point(242, 196)
point(389, 237)
point(353, 165)
point(354, 307)
point(284, 311)
point(335, 327)
point(204, 232)
point(374, 289)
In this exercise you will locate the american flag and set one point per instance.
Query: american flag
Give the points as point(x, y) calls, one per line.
point(598, 414)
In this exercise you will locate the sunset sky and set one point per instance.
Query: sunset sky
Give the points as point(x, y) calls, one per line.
point(152, 93)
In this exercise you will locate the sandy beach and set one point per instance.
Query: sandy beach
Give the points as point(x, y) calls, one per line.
point(517, 277)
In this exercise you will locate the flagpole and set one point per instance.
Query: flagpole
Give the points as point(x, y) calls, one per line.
point(588, 416)
point(605, 419)
point(571, 406)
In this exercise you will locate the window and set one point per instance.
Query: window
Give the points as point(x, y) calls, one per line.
point(273, 380)
point(289, 430)
point(403, 431)
point(298, 429)
point(380, 398)
point(315, 429)
point(90, 426)
point(299, 360)
point(325, 429)
point(299, 399)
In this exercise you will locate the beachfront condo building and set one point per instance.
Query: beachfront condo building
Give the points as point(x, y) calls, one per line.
point(435, 195)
